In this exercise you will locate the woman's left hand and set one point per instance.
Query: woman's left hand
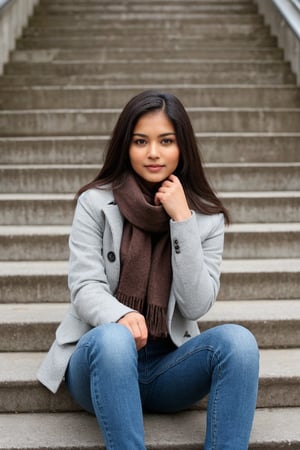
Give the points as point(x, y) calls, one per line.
point(172, 197)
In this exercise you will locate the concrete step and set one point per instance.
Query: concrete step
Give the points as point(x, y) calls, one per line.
point(275, 323)
point(187, 42)
point(265, 279)
point(273, 429)
point(262, 207)
point(104, 54)
point(64, 9)
point(226, 177)
point(46, 281)
point(33, 243)
point(95, 121)
point(57, 209)
point(279, 77)
point(69, 97)
point(21, 392)
point(166, 20)
point(117, 3)
point(143, 67)
point(215, 147)
point(162, 21)
point(58, 3)
point(58, 54)
point(261, 240)
point(145, 28)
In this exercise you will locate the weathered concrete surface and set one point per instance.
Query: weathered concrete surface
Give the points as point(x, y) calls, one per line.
point(13, 17)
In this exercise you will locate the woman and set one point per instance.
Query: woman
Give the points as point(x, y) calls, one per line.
point(145, 255)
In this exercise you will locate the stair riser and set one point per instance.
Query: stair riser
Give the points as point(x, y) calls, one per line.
point(206, 96)
point(58, 3)
point(170, 27)
point(148, 79)
point(237, 245)
point(192, 43)
point(47, 123)
point(257, 285)
point(225, 179)
point(60, 211)
point(34, 248)
point(87, 150)
point(103, 54)
point(39, 336)
point(262, 245)
point(35, 398)
point(162, 22)
point(74, 68)
point(144, 9)
point(246, 286)
point(34, 289)
point(259, 210)
point(197, 31)
point(270, 334)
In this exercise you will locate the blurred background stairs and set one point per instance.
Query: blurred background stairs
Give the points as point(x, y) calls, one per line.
point(75, 67)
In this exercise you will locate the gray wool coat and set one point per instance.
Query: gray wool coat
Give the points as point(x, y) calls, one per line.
point(94, 269)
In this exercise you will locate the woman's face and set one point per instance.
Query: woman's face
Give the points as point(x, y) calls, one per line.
point(153, 152)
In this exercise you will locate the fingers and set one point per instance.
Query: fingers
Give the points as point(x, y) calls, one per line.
point(172, 197)
point(136, 324)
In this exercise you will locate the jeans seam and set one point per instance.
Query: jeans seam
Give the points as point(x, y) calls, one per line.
point(97, 398)
point(214, 407)
point(178, 361)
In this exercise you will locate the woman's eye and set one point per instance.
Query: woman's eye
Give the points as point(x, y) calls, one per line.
point(167, 141)
point(140, 141)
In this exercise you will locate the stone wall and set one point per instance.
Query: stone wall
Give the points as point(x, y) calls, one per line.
point(283, 16)
point(14, 15)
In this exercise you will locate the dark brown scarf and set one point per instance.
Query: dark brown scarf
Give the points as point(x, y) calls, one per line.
point(146, 274)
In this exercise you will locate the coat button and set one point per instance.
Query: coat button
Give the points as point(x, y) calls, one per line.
point(176, 246)
point(111, 256)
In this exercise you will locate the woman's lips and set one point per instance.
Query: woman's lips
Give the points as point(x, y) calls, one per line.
point(154, 167)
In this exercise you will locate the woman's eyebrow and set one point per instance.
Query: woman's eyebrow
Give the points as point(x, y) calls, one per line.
point(160, 135)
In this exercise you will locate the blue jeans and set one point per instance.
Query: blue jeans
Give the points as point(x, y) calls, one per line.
point(109, 378)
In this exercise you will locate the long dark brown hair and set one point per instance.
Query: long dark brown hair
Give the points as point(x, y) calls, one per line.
point(199, 193)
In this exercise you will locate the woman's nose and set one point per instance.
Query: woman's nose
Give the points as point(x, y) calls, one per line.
point(153, 151)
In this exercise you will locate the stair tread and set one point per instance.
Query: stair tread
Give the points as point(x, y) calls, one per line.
point(118, 110)
point(232, 194)
point(53, 230)
point(15, 268)
point(233, 165)
point(254, 310)
point(84, 138)
point(36, 230)
point(272, 427)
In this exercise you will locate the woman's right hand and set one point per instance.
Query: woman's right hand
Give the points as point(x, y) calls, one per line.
point(136, 324)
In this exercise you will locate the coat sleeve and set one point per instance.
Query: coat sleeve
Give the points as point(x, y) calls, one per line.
point(89, 287)
point(197, 247)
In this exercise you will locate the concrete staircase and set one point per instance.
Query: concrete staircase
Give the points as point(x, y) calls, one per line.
point(76, 65)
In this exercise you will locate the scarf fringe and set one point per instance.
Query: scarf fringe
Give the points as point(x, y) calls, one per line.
point(156, 319)
point(131, 301)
